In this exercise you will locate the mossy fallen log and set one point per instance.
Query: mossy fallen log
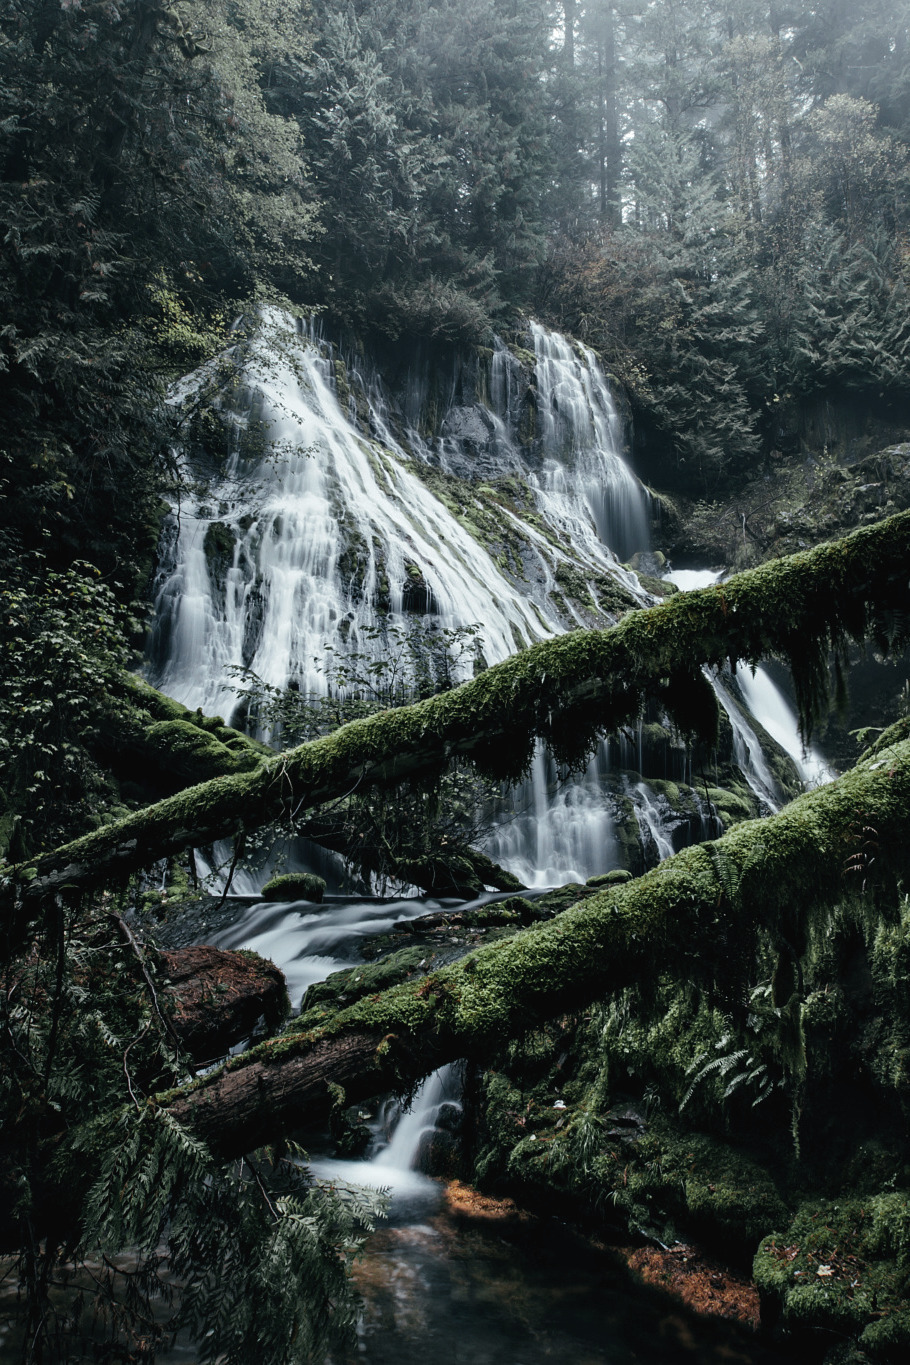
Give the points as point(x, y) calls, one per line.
point(688, 916)
point(565, 690)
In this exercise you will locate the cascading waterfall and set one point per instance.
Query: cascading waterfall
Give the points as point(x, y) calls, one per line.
point(417, 1123)
point(584, 476)
point(774, 713)
point(652, 813)
point(768, 705)
point(317, 529)
point(311, 533)
point(588, 495)
point(747, 751)
point(557, 830)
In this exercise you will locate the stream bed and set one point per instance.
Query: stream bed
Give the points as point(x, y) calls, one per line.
point(453, 1279)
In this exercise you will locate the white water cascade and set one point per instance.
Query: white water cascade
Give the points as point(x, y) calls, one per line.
point(768, 705)
point(584, 476)
point(418, 1122)
point(323, 531)
point(771, 709)
point(651, 812)
point(321, 526)
point(586, 493)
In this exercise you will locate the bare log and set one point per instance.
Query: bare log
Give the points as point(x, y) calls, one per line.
point(564, 690)
point(695, 910)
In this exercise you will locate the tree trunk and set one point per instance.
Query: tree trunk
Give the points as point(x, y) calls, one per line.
point(565, 690)
point(698, 911)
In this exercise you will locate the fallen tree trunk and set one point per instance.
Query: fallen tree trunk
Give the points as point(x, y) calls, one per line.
point(696, 913)
point(564, 690)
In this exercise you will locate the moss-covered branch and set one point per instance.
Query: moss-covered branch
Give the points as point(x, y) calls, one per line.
point(688, 915)
point(564, 690)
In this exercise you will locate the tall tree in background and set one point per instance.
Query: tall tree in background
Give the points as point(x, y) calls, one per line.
point(142, 181)
point(426, 135)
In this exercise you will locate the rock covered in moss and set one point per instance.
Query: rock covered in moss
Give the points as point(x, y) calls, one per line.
point(614, 878)
point(843, 1267)
point(341, 989)
point(294, 886)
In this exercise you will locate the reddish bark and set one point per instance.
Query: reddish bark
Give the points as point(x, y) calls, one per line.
point(220, 997)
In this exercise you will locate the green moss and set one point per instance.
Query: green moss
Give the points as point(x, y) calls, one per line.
point(657, 587)
point(344, 988)
point(218, 546)
point(190, 748)
point(730, 806)
point(614, 878)
point(843, 1266)
point(292, 886)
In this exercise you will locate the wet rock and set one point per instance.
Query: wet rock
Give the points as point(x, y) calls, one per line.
point(293, 886)
point(220, 997)
point(439, 1154)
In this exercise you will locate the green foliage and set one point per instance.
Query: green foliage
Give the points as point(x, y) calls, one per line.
point(122, 237)
point(129, 1228)
point(426, 140)
point(62, 652)
point(260, 1251)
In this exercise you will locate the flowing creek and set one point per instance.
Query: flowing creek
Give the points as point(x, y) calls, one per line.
point(458, 1280)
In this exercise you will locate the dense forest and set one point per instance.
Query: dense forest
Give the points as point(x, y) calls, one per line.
point(712, 200)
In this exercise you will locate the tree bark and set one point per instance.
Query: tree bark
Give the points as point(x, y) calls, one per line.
point(696, 913)
point(566, 691)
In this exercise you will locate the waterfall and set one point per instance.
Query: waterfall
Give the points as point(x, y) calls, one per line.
point(769, 707)
point(417, 1123)
point(652, 814)
point(555, 831)
point(314, 526)
point(773, 712)
point(315, 532)
point(747, 751)
point(581, 440)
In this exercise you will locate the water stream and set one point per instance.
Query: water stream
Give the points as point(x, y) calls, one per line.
point(466, 1284)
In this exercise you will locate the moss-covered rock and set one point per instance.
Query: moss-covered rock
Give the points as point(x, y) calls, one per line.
point(343, 988)
point(614, 878)
point(294, 886)
point(843, 1267)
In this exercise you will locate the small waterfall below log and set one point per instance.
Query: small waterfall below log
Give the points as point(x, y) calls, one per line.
point(652, 813)
point(774, 713)
point(748, 751)
point(418, 1126)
